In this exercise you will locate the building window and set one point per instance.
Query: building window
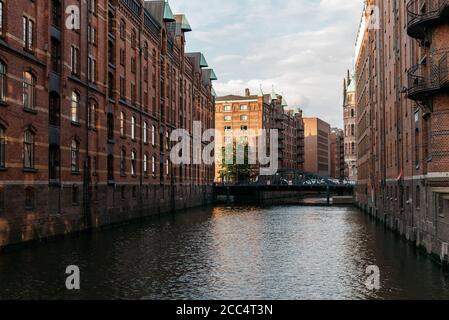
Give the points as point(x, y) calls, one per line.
point(110, 126)
point(28, 33)
point(153, 165)
point(122, 57)
point(122, 124)
point(133, 39)
point(93, 110)
point(75, 152)
point(153, 135)
point(145, 132)
point(2, 20)
point(244, 118)
point(93, 6)
point(2, 201)
point(55, 56)
point(244, 107)
point(110, 167)
point(54, 109)
point(2, 82)
point(2, 147)
point(145, 164)
point(133, 163)
point(123, 162)
point(29, 91)
point(54, 162)
point(133, 65)
point(133, 128)
point(28, 149)
point(29, 198)
point(92, 69)
point(167, 167)
point(75, 196)
point(228, 118)
point(74, 107)
point(133, 93)
point(122, 89)
point(145, 50)
point(74, 60)
point(123, 30)
point(227, 108)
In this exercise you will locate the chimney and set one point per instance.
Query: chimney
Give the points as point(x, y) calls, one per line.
point(247, 92)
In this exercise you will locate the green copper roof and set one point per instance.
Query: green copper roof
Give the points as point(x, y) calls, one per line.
point(168, 14)
point(213, 76)
point(185, 25)
point(203, 62)
point(284, 102)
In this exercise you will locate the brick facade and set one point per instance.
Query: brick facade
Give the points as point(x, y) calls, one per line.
point(86, 115)
point(252, 113)
point(402, 114)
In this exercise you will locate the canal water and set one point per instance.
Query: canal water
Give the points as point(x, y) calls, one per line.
point(288, 252)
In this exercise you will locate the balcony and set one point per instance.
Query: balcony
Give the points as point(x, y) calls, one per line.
point(430, 78)
point(423, 14)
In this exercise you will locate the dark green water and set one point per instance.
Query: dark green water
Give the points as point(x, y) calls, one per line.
point(288, 252)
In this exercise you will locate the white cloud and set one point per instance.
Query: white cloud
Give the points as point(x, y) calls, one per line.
point(302, 47)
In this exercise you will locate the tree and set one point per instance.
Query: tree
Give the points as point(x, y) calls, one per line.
point(235, 172)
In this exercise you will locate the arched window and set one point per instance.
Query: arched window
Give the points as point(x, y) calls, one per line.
point(29, 198)
point(145, 132)
point(75, 151)
point(2, 78)
point(54, 109)
point(352, 113)
point(123, 162)
point(93, 109)
point(29, 91)
point(153, 135)
point(28, 149)
point(133, 163)
point(122, 124)
point(167, 167)
point(75, 107)
point(145, 164)
point(153, 164)
point(353, 148)
point(133, 128)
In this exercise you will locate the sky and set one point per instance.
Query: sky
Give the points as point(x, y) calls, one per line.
point(301, 47)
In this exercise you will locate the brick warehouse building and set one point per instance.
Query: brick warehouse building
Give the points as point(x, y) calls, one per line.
point(337, 154)
point(402, 106)
point(350, 123)
point(252, 113)
point(86, 114)
point(317, 158)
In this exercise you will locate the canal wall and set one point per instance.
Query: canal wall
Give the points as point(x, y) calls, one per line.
point(422, 232)
point(109, 205)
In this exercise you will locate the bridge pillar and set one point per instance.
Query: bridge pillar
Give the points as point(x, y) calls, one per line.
point(228, 196)
point(328, 194)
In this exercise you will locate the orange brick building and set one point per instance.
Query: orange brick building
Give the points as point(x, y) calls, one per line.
point(403, 114)
point(86, 114)
point(243, 115)
point(317, 157)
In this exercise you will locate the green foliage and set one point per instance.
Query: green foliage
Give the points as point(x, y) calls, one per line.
point(235, 172)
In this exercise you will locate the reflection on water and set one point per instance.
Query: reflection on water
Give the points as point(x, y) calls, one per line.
point(289, 252)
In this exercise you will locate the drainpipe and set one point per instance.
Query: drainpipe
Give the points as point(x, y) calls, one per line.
point(141, 122)
point(86, 169)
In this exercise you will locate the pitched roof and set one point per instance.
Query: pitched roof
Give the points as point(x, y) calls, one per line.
point(236, 98)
